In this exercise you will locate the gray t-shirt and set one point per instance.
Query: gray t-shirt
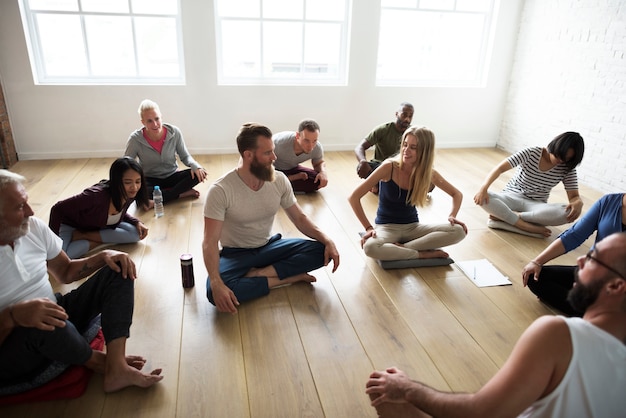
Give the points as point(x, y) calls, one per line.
point(286, 158)
point(247, 215)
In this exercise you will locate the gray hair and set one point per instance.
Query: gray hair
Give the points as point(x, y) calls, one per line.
point(8, 178)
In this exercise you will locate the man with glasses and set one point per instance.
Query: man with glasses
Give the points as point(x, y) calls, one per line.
point(560, 367)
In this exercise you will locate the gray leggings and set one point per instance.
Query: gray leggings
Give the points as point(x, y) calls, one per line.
point(414, 236)
point(124, 233)
point(509, 207)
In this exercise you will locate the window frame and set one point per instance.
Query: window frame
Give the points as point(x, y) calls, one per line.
point(36, 52)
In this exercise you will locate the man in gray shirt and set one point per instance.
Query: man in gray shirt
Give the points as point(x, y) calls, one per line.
point(293, 148)
point(239, 214)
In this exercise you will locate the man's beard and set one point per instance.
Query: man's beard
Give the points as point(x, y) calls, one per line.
point(11, 233)
point(262, 172)
point(582, 296)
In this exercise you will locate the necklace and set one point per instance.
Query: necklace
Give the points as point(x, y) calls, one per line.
point(254, 187)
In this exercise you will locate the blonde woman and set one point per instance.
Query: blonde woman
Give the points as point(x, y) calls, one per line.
point(404, 182)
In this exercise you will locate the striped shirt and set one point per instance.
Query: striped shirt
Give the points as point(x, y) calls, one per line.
point(533, 183)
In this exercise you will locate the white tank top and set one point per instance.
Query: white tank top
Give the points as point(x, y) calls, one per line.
point(594, 384)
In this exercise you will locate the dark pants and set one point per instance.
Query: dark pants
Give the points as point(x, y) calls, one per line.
point(552, 287)
point(174, 185)
point(289, 257)
point(307, 186)
point(27, 351)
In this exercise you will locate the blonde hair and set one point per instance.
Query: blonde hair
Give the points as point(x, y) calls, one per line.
point(422, 171)
point(147, 104)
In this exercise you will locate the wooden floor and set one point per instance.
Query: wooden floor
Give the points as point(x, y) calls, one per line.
point(306, 350)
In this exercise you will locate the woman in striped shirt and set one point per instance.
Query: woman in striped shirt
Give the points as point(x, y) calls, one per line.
point(523, 206)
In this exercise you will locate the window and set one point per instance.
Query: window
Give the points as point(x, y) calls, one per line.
point(104, 41)
point(435, 42)
point(282, 42)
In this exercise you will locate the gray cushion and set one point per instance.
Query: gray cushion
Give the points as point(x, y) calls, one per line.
point(415, 262)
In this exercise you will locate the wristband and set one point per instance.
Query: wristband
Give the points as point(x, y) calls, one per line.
point(369, 227)
point(536, 263)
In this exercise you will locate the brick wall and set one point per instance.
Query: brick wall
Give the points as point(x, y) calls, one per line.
point(569, 74)
point(7, 146)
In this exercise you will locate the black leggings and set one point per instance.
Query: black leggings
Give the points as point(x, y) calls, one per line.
point(174, 185)
point(552, 287)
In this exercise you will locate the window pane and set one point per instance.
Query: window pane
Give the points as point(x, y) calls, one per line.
point(155, 7)
point(110, 44)
point(57, 5)
point(321, 49)
point(326, 10)
point(111, 6)
point(239, 8)
point(241, 50)
point(282, 55)
point(474, 5)
point(157, 47)
point(62, 45)
point(281, 9)
point(408, 4)
point(444, 46)
point(437, 4)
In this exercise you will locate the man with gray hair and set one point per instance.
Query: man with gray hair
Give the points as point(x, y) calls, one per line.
point(38, 326)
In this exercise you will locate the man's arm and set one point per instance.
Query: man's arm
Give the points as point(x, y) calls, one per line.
point(224, 298)
point(67, 271)
point(360, 149)
point(535, 367)
point(308, 228)
point(322, 177)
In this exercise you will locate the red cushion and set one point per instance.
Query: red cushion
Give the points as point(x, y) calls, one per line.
point(72, 383)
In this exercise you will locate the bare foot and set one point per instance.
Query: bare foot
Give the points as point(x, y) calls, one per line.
point(115, 380)
point(534, 228)
point(432, 254)
point(190, 193)
point(274, 282)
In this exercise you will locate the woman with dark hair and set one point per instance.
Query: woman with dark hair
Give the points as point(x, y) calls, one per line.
point(523, 206)
point(98, 214)
point(404, 182)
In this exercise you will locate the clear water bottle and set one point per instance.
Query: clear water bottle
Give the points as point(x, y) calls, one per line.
point(157, 197)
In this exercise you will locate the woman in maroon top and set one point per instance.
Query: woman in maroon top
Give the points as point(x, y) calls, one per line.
point(98, 214)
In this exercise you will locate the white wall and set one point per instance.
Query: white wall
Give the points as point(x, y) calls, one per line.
point(569, 74)
point(79, 121)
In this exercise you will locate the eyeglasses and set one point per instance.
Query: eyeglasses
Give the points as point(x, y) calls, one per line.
point(603, 264)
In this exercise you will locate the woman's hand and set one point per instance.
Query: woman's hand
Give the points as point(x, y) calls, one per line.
point(482, 197)
point(454, 220)
point(574, 209)
point(368, 234)
point(142, 230)
point(200, 173)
